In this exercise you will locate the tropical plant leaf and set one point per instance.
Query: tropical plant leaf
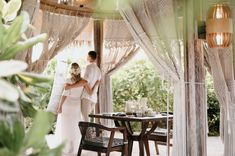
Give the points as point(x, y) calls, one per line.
point(2, 32)
point(27, 109)
point(11, 51)
point(18, 135)
point(26, 21)
point(11, 67)
point(2, 4)
point(14, 142)
point(8, 91)
point(13, 34)
point(12, 134)
point(35, 137)
point(10, 107)
point(10, 9)
point(6, 152)
point(52, 152)
point(31, 78)
point(24, 97)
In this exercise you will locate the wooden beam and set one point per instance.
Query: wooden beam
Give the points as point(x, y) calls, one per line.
point(98, 46)
point(73, 10)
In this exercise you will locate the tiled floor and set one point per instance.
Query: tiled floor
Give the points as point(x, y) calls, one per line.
point(214, 148)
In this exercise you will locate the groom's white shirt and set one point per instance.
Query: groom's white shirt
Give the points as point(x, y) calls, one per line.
point(92, 74)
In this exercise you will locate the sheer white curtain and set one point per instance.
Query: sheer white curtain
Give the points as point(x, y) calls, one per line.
point(152, 24)
point(61, 30)
point(107, 69)
point(119, 48)
point(220, 62)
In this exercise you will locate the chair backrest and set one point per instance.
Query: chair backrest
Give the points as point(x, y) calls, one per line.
point(163, 123)
point(94, 134)
point(163, 133)
point(91, 130)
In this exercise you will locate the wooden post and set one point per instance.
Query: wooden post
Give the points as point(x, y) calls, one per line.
point(98, 39)
point(200, 98)
point(195, 82)
point(98, 46)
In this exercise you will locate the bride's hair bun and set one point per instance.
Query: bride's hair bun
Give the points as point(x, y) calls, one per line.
point(75, 69)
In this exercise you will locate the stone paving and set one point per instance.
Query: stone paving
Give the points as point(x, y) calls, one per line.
point(214, 148)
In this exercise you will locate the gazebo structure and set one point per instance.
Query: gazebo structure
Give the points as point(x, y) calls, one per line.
point(170, 32)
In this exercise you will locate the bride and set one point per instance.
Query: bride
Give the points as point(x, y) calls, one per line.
point(69, 110)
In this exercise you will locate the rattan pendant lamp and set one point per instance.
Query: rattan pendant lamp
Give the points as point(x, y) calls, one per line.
point(219, 27)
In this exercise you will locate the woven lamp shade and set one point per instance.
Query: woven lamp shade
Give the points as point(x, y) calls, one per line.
point(83, 3)
point(219, 26)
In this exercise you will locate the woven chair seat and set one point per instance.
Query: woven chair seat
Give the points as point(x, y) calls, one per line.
point(103, 142)
point(162, 132)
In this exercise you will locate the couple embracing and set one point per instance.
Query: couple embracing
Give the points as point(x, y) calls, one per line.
point(77, 102)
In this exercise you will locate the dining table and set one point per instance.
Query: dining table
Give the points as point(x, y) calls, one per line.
point(148, 125)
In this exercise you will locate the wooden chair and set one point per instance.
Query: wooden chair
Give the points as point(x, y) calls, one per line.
point(162, 135)
point(100, 139)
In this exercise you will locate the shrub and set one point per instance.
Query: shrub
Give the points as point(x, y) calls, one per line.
point(138, 80)
point(213, 110)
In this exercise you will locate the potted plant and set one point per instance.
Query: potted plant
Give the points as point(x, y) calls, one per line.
point(14, 139)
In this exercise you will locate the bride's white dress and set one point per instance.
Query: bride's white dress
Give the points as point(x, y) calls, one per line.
point(67, 129)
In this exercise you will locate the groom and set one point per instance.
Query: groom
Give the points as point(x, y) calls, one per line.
point(92, 74)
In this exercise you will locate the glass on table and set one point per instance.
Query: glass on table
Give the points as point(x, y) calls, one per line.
point(130, 107)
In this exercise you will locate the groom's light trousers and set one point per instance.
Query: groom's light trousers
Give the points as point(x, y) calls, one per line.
point(87, 107)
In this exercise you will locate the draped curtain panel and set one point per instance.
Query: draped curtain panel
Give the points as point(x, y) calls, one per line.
point(61, 30)
point(119, 47)
point(152, 24)
point(220, 63)
point(58, 86)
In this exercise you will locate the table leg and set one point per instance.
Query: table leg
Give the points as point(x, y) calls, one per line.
point(141, 148)
point(130, 146)
point(146, 143)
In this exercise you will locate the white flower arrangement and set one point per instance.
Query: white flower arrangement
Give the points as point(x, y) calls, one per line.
point(75, 71)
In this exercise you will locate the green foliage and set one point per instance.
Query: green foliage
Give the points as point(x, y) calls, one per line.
point(15, 142)
point(14, 89)
point(10, 36)
point(41, 94)
point(138, 80)
point(50, 69)
point(12, 42)
point(213, 109)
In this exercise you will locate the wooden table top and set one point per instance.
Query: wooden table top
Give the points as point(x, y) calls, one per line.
point(123, 117)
